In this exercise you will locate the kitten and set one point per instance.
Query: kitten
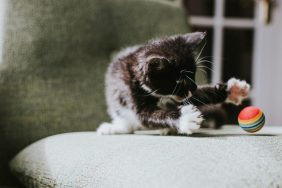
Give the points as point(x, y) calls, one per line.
point(153, 86)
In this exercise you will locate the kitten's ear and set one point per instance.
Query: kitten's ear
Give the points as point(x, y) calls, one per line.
point(194, 39)
point(157, 63)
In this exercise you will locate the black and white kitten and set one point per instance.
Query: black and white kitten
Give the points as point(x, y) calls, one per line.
point(140, 78)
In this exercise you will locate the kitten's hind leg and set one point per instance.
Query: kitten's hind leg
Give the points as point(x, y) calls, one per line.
point(167, 131)
point(118, 126)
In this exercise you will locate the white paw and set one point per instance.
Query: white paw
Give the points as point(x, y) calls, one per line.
point(238, 90)
point(190, 120)
point(118, 126)
point(104, 129)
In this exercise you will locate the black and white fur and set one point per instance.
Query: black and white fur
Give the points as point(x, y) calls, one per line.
point(140, 78)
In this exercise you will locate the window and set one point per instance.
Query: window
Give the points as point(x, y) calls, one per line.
point(230, 25)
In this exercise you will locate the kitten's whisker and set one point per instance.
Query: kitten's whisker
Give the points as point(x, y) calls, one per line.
point(152, 92)
point(201, 51)
point(191, 79)
point(174, 88)
point(177, 83)
point(198, 100)
point(203, 58)
point(202, 66)
point(203, 71)
point(186, 100)
point(204, 61)
point(189, 72)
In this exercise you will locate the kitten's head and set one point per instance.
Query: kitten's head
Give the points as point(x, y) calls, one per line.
point(167, 66)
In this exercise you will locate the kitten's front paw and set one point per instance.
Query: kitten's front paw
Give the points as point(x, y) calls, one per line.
point(238, 90)
point(190, 120)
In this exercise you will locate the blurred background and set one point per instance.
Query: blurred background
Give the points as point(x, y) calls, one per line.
point(244, 41)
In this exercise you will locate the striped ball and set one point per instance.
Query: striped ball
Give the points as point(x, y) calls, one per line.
point(251, 119)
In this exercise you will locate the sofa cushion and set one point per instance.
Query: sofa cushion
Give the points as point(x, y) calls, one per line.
point(212, 159)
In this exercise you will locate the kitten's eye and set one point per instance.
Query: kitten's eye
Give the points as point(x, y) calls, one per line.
point(158, 63)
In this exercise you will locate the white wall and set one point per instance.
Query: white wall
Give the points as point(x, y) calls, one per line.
point(267, 73)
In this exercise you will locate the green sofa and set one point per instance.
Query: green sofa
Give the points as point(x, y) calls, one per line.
point(55, 54)
point(222, 158)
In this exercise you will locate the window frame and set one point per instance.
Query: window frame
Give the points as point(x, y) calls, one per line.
point(218, 22)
